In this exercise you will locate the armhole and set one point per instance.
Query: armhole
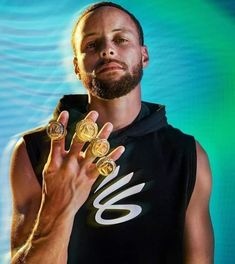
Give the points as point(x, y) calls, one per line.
point(30, 148)
point(192, 167)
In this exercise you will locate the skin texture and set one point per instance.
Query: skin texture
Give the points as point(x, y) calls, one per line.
point(38, 213)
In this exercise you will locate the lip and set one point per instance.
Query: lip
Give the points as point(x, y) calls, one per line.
point(111, 66)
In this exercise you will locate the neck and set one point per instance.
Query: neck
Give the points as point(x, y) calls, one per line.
point(120, 111)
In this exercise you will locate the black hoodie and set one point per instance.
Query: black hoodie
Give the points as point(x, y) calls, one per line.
point(136, 214)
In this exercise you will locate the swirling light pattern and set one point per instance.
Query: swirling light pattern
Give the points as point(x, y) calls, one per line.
point(191, 71)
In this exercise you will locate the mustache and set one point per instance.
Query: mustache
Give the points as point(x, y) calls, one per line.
point(102, 62)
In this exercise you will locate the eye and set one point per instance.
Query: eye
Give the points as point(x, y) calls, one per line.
point(91, 45)
point(121, 40)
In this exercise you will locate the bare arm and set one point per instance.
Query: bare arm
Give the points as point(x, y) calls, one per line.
point(43, 219)
point(26, 196)
point(199, 240)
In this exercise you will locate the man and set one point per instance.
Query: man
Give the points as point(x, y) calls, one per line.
point(153, 208)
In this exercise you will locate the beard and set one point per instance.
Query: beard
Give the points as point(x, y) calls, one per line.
point(111, 89)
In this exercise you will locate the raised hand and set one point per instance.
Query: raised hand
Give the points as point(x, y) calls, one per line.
point(69, 175)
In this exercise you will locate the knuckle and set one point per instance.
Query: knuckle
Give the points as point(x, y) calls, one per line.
point(50, 168)
point(48, 171)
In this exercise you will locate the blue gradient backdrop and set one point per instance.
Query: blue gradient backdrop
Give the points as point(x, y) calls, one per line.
point(191, 71)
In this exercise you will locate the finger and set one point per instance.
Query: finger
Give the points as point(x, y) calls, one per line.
point(103, 134)
point(76, 145)
point(114, 155)
point(106, 130)
point(58, 146)
point(93, 115)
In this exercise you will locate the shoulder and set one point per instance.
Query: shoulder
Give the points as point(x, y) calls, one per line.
point(19, 152)
point(202, 156)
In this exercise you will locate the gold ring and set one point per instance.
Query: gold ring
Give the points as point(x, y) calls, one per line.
point(56, 130)
point(100, 147)
point(86, 130)
point(105, 166)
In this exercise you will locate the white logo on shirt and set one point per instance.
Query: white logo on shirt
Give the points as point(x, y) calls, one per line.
point(134, 210)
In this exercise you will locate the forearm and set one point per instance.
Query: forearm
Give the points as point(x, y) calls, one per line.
point(49, 239)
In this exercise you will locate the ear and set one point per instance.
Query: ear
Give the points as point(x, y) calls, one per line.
point(145, 56)
point(76, 69)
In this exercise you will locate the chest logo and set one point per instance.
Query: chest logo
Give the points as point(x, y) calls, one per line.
point(132, 209)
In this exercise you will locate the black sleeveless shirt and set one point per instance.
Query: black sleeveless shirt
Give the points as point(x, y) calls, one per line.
point(136, 214)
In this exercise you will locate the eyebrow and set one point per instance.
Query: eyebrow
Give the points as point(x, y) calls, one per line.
point(121, 29)
point(114, 30)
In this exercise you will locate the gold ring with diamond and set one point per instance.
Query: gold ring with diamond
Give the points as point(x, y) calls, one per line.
point(56, 130)
point(86, 130)
point(100, 147)
point(105, 166)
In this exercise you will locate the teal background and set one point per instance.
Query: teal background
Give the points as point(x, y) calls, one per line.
point(191, 71)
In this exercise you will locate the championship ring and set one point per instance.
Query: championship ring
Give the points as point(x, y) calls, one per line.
point(56, 130)
point(100, 147)
point(86, 130)
point(105, 166)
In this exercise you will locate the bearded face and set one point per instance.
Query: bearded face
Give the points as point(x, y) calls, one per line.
point(111, 88)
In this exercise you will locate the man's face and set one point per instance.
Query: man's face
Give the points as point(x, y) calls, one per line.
point(109, 56)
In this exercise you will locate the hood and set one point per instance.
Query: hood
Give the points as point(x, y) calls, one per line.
point(151, 118)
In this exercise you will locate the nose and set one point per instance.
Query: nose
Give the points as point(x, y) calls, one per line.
point(107, 51)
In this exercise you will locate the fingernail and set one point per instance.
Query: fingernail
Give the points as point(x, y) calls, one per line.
point(95, 114)
point(122, 149)
point(109, 126)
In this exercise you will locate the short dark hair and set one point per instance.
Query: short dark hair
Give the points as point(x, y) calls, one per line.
point(111, 4)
